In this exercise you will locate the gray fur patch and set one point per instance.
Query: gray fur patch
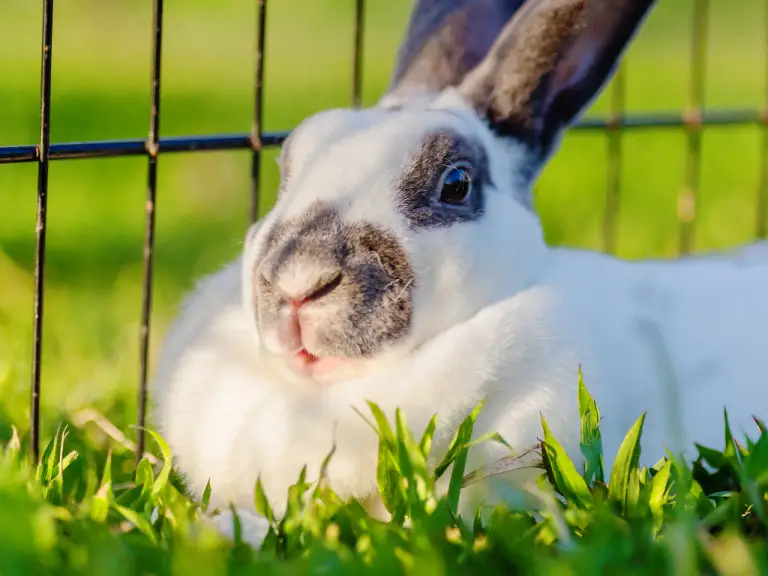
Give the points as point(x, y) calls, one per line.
point(372, 302)
point(418, 189)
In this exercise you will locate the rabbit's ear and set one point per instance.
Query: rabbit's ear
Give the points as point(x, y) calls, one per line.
point(547, 65)
point(446, 39)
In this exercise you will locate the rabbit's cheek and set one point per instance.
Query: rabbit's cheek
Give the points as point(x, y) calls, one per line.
point(268, 318)
point(270, 339)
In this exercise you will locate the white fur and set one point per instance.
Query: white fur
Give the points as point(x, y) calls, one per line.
point(498, 315)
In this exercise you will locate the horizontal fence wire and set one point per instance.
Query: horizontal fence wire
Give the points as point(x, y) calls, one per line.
point(42, 156)
point(243, 141)
point(136, 147)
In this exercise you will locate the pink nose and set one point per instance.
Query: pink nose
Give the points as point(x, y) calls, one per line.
point(289, 324)
point(294, 298)
point(289, 329)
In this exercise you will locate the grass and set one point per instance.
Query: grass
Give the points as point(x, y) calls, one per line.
point(709, 516)
point(100, 90)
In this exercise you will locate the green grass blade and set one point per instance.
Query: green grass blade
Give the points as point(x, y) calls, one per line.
point(206, 500)
point(413, 466)
point(165, 471)
point(63, 464)
point(457, 479)
point(562, 472)
point(57, 470)
point(591, 442)
point(145, 477)
point(389, 482)
point(323, 473)
point(425, 444)
point(140, 522)
point(712, 457)
point(101, 500)
point(756, 463)
point(45, 466)
point(383, 428)
point(262, 503)
point(461, 438)
point(624, 486)
point(658, 489)
point(731, 452)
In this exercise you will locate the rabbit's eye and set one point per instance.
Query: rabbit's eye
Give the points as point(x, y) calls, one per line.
point(455, 185)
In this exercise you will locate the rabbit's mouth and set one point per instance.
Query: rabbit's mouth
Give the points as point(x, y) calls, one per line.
point(292, 337)
point(307, 364)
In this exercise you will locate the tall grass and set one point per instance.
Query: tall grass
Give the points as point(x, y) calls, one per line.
point(709, 516)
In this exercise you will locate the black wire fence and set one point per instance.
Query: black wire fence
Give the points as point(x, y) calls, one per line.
point(692, 120)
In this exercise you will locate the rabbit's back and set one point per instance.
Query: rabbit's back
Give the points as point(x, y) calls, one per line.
point(680, 339)
point(713, 321)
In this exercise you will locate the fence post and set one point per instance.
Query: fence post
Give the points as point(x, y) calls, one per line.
point(761, 227)
point(258, 111)
point(357, 62)
point(41, 224)
point(694, 122)
point(153, 148)
point(615, 126)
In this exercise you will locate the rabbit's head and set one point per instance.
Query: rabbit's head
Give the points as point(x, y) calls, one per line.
point(396, 222)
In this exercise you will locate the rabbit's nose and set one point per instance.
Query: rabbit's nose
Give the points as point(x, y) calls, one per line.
point(301, 284)
point(294, 289)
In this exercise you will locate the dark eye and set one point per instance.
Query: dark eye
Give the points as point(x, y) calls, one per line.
point(455, 185)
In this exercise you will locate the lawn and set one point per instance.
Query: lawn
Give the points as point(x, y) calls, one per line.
point(100, 90)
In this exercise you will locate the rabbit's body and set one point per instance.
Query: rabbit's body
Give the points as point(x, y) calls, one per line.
point(403, 264)
point(229, 417)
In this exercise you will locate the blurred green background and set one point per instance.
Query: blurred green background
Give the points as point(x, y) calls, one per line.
point(100, 90)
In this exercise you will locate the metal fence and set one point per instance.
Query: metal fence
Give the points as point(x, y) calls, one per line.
point(692, 120)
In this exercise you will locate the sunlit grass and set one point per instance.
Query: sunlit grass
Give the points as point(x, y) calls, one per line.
point(83, 512)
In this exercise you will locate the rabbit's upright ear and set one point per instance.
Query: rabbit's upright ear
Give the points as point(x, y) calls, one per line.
point(548, 63)
point(446, 39)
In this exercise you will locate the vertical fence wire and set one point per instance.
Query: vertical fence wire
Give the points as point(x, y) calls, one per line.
point(41, 224)
point(686, 208)
point(357, 63)
point(761, 228)
point(614, 154)
point(153, 145)
point(258, 111)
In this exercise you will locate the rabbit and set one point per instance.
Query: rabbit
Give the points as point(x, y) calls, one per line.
point(403, 263)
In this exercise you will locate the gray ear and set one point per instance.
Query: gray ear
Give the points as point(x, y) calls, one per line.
point(446, 39)
point(548, 64)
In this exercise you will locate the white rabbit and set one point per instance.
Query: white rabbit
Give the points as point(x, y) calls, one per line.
point(403, 264)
